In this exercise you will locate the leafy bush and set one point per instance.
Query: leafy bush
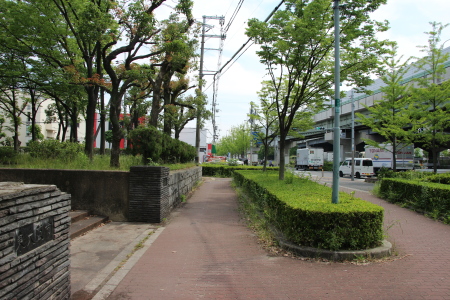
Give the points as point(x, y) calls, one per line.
point(157, 147)
point(52, 149)
point(328, 166)
point(304, 213)
point(7, 155)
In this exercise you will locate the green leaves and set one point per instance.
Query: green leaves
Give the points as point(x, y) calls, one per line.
point(390, 116)
point(297, 46)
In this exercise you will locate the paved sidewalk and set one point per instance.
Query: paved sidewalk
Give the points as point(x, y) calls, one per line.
point(207, 252)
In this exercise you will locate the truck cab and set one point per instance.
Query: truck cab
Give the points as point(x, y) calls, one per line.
point(363, 167)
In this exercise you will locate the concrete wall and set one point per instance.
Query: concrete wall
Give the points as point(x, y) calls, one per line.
point(34, 242)
point(102, 193)
point(109, 193)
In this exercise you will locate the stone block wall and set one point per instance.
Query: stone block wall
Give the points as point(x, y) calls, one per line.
point(155, 192)
point(34, 242)
point(181, 183)
point(145, 194)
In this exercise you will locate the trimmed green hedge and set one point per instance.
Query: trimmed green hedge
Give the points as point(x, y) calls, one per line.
point(219, 170)
point(303, 212)
point(439, 178)
point(429, 197)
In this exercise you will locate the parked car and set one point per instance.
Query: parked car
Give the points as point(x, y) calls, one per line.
point(363, 167)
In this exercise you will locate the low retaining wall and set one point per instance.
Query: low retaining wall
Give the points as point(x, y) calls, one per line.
point(102, 193)
point(34, 242)
point(154, 192)
point(110, 193)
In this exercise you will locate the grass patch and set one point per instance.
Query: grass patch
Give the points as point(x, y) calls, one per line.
point(82, 162)
point(255, 221)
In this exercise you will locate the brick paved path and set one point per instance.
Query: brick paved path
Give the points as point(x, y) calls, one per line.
point(207, 252)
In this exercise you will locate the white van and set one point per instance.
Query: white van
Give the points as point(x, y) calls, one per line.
point(363, 167)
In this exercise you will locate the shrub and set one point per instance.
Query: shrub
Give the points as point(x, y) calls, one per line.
point(7, 155)
point(428, 197)
point(328, 166)
point(157, 147)
point(304, 213)
point(51, 149)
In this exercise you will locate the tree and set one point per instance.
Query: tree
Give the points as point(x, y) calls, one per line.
point(38, 136)
point(2, 134)
point(64, 35)
point(11, 101)
point(431, 96)
point(297, 47)
point(189, 108)
point(265, 119)
point(236, 142)
point(139, 29)
point(390, 117)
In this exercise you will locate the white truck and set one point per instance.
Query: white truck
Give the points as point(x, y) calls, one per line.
point(253, 159)
point(383, 157)
point(309, 159)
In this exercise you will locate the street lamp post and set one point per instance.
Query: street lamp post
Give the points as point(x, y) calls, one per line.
point(337, 106)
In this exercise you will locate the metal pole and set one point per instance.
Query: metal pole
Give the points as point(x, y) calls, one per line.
point(337, 106)
point(353, 138)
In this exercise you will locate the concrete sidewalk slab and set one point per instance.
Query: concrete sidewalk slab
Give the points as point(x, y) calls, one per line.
point(96, 255)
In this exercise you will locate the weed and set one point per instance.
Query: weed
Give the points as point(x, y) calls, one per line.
point(254, 219)
point(289, 177)
point(352, 195)
point(183, 198)
point(389, 226)
point(138, 246)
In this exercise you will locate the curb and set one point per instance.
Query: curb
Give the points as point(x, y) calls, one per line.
point(105, 291)
point(379, 252)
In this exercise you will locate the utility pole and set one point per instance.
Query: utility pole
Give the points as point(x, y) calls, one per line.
point(337, 106)
point(353, 137)
point(202, 52)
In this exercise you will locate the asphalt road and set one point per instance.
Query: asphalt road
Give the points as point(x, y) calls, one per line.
point(346, 181)
point(327, 177)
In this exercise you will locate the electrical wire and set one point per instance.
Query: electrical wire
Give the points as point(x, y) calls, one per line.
point(233, 16)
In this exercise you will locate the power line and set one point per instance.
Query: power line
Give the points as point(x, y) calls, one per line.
point(233, 16)
point(245, 44)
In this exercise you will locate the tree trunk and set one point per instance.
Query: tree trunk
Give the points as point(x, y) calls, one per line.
point(282, 162)
point(394, 155)
point(102, 122)
point(90, 126)
point(114, 115)
point(74, 127)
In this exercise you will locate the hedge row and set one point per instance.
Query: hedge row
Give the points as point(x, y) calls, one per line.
point(218, 170)
point(428, 197)
point(303, 212)
point(439, 178)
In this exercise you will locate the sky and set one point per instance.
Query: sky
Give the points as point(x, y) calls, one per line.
point(239, 84)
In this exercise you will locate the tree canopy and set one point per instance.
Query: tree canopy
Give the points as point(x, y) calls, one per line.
point(297, 44)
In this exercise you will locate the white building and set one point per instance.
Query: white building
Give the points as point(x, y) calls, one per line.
point(49, 130)
point(188, 134)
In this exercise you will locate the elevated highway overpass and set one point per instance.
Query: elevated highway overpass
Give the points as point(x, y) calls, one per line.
point(323, 137)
